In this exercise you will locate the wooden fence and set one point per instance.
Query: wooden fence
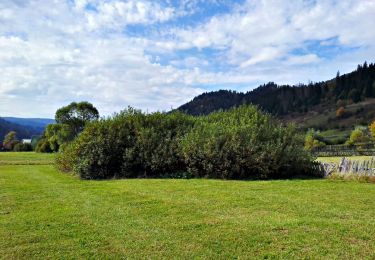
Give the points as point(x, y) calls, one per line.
point(349, 167)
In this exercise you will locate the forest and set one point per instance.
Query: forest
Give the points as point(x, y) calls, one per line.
point(283, 100)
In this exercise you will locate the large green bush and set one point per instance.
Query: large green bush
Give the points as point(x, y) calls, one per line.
point(156, 148)
point(242, 143)
point(99, 149)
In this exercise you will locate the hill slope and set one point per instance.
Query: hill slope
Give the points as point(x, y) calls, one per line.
point(354, 91)
point(37, 123)
point(22, 131)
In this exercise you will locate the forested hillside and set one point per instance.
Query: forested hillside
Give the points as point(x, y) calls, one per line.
point(38, 123)
point(22, 131)
point(351, 89)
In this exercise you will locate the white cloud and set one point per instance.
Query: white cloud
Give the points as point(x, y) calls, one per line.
point(119, 13)
point(55, 52)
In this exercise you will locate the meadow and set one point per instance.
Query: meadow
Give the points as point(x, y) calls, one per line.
point(26, 158)
point(47, 214)
point(338, 159)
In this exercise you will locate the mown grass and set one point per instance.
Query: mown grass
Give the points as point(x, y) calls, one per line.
point(338, 159)
point(46, 214)
point(25, 158)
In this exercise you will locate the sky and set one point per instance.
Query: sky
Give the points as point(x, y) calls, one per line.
point(158, 55)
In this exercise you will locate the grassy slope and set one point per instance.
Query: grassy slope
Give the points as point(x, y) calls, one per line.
point(324, 116)
point(47, 214)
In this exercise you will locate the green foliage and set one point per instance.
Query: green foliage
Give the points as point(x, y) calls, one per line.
point(34, 140)
point(313, 140)
point(76, 115)
point(58, 134)
point(156, 148)
point(241, 143)
point(101, 146)
point(372, 130)
point(22, 147)
point(358, 135)
point(66, 158)
point(70, 121)
point(43, 146)
point(10, 140)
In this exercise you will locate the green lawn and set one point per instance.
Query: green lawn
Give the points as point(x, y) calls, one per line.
point(25, 158)
point(338, 159)
point(46, 214)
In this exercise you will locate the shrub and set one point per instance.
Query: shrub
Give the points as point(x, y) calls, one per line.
point(358, 135)
point(313, 140)
point(66, 158)
point(131, 144)
point(242, 143)
point(156, 145)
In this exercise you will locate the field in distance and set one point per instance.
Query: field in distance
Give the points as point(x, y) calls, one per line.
point(338, 159)
point(25, 158)
point(46, 214)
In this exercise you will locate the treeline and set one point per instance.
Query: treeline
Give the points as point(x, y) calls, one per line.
point(285, 99)
point(241, 143)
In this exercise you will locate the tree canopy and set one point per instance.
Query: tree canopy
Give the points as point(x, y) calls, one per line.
point(10, 140)
point(76, 115)
point(70, 121)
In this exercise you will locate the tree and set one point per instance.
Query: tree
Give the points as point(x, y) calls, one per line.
point(358, 135)
point(58, 134)
point(70, 121)
point(76, 115)
point(10, 140)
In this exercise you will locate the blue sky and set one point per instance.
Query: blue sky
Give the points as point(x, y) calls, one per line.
point(155, 55)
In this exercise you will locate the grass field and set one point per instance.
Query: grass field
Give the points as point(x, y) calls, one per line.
point(338, 159)
point(46, 214)
point(26, 158)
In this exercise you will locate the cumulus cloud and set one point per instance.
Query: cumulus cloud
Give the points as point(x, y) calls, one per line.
point(119, 13)
point(117, 53)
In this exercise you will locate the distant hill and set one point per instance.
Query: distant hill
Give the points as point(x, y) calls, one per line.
point(33, 122)
point(25, 127)
point(312, 105)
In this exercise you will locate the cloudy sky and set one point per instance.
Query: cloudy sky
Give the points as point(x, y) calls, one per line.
point(155, 55)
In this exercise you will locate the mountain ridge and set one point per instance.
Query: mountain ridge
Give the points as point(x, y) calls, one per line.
point(24, 127)
point(284, 100)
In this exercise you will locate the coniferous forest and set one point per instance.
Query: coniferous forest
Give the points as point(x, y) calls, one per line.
point(281, 100)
